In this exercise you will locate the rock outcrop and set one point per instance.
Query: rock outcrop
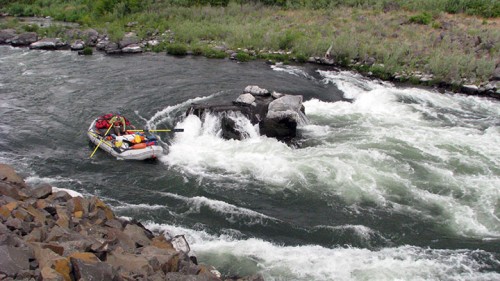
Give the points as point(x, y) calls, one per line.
point(49, 44)
point(50, 235)
point(276, 114)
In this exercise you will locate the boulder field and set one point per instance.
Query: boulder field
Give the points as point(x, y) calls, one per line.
point(47, 234)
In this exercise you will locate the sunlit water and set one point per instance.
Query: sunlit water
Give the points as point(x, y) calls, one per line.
point(388, 183)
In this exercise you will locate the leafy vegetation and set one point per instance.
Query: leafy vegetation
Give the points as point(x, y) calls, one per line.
point(177, 49)
point(87, 51)
point(400, 36)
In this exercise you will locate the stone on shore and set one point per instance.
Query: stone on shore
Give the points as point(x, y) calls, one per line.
point(6, 35)
point(24, 39)
point(48, 44)
point(49, 235)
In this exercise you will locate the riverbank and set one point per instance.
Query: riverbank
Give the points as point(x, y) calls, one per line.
point(456, 52)
point(52, 234)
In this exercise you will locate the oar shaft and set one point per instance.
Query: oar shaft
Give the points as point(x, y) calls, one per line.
point(159, 130)
point(102, 139)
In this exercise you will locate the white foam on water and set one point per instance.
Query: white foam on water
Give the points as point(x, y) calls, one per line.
point(293, 70)
point(231, 212)
point(361, 231)
point(200, 150)
point(34, 180)
point(386, 145)
point(142, 206)
point(310, 262)
point(165, 114)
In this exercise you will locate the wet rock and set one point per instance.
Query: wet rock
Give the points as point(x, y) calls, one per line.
point(6, 35)
point(129, 39)
point(90, 37)
point(282, 117)
point(24, 39)
point(245, 99)
point(77, 45)
point(102, 44)
point(48, 44)
point(132, 49)
point(470, 89)
point(112, 48)
point(256, 91)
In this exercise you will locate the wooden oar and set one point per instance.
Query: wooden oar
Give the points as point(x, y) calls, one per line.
point(102, 139)
point(159, 130)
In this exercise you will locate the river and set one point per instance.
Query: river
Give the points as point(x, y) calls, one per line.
point(388, 183)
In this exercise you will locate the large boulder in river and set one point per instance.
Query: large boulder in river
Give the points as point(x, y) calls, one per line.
point(24, 39)
point(6, 35)
point(276, 114)
point(283, 116)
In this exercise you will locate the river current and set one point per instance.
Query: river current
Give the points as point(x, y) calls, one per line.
point(388, 183)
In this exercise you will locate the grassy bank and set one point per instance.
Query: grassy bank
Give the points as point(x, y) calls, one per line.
point(457, 41)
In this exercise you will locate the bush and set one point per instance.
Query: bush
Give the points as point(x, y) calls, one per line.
point(177, 49)
point(243, 57)
point(31, 28)
point(214, 54)
point(301, 58)
point(87, 51)
point(423, 18)
point(380, 71)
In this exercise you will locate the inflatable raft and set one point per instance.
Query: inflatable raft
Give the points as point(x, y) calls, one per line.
point(133, 146)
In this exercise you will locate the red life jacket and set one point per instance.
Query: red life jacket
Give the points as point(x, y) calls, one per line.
point(102, 121)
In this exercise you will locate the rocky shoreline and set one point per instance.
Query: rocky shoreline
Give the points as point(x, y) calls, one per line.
point(85, 41)
point(47, 234)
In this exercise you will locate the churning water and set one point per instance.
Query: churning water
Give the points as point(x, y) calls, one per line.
point(388, 183)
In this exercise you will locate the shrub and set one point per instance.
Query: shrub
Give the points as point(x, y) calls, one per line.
point(301, 58)
point(243, 57)
point(197, 51)
point(214, 54)
point(160, 47)
point(176, 49)
point(31, 28)
point(87, 51)
point(380, 71)
point(423, 18)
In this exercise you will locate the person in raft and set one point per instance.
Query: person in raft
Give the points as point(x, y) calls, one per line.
point(120, 124)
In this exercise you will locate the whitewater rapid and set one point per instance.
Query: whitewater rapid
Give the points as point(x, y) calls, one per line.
point(407, 150)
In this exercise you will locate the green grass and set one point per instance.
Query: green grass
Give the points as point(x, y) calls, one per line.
point(401, 35)
point(177, 49)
